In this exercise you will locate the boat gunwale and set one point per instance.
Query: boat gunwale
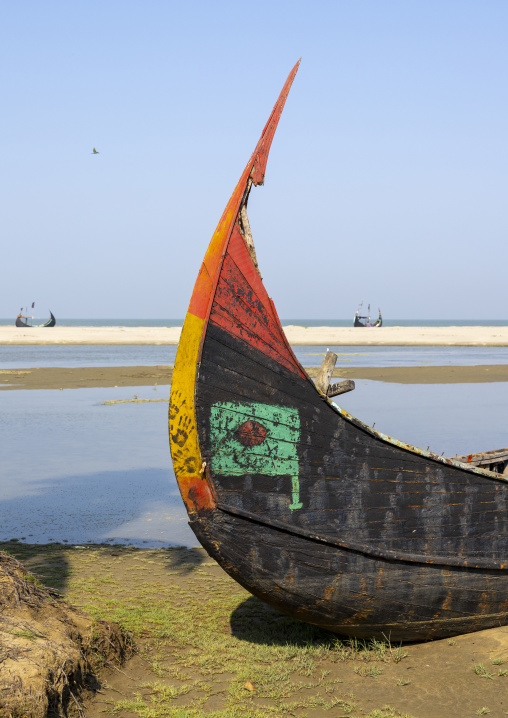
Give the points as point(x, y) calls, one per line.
point(447, 461)
point(373, 552)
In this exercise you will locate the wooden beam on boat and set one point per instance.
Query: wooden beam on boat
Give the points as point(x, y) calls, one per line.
point(324, 375)
point(341, 387)
point(325, 372)
point(484, 457)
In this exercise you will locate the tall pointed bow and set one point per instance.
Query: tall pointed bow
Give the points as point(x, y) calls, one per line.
point(260, 155)
point(222, 272)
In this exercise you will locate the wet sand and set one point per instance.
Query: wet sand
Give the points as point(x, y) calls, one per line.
point(88, 377)
point(331, 336)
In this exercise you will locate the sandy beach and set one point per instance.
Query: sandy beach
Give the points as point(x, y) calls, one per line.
point(331, 336)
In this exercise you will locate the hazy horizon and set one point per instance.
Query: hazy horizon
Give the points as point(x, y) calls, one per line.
point(172, 321)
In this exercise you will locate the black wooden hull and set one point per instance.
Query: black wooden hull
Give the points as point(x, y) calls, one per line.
point(51, 321)
point(349, 592)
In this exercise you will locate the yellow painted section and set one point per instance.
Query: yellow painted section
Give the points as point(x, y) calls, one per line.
point(183, 437)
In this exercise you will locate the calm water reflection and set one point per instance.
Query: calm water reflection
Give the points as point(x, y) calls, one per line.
point(451, 419)
point(19, 357)
point(75, 470)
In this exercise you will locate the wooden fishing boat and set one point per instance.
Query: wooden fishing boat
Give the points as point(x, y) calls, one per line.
point(308, 508)
point(22, 320)
point(364, 320)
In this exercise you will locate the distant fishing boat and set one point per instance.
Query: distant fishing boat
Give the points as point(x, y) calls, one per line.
point(26, 320)
point(306, 506)
point(364, 320)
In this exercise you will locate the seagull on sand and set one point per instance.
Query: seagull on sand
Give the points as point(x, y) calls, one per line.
point(95, 152)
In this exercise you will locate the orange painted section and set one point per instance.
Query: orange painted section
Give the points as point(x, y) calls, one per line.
point(203, 289)
point(196, 493)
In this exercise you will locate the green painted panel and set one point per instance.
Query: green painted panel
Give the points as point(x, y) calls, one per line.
point(275, 456)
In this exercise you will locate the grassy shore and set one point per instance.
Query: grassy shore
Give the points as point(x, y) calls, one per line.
point(206, 647)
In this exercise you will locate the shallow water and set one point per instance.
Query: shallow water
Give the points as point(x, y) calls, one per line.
point(402, 356)
point(43, 355)
point(19, 357)
point(450, 419)
point(76, 471)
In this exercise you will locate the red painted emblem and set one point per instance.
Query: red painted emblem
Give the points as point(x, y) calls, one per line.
point(251, 433)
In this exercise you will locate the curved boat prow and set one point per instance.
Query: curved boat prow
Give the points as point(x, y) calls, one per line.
point(51, 321)
point(185, 451)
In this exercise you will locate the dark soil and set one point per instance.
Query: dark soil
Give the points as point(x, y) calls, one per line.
point(50, 651)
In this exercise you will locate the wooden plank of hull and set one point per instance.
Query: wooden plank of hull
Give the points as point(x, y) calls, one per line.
point(349, 592)
point(308, 508)
point(434, 533)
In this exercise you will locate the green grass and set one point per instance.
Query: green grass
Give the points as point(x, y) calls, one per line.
point(29, 635)
point(480, 670)
point(212, 648)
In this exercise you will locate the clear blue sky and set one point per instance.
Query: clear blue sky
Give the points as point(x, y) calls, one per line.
point(387, 179)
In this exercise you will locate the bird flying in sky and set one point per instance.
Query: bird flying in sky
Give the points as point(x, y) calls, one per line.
point(94, 152)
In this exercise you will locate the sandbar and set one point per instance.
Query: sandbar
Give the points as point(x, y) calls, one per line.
point(160, 376)
point(296, 335)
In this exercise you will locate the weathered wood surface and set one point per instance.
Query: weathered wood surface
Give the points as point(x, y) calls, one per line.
point(484, 457)
point(352, 482)
point(393, 511)
point(341, 387)
point(243, 220)
point(308, 508)
point(351, 592)
point(325, 371)
point(496, 460)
